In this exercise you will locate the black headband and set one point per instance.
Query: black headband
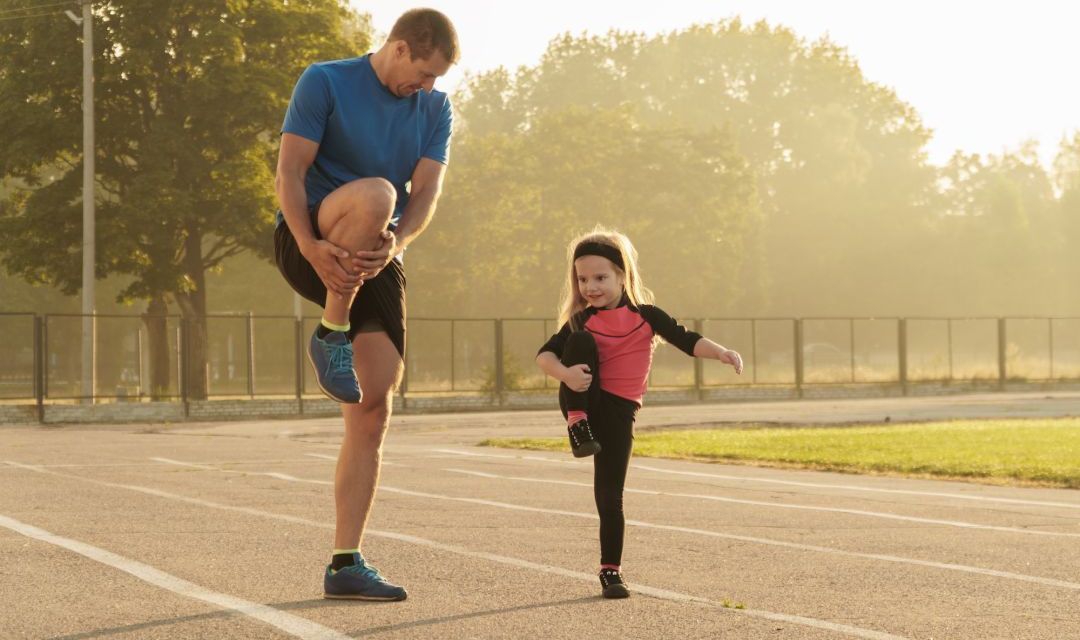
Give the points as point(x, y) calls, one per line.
point(600, 249)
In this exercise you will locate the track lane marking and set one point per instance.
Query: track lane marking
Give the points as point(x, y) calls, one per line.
point(287, 622)
point(662, 594)
point(778, 505)
point(1050, 582)
point(793, 483)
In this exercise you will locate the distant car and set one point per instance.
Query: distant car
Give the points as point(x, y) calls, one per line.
point(824, 355)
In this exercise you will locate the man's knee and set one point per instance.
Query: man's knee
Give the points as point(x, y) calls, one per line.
point(378, 408)
point(360, 207)
point(369, 420)
point(370, 195)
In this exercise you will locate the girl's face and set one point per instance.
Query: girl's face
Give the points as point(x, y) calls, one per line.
point(599, 281)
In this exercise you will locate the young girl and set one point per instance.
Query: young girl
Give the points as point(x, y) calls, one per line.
point(602, 355)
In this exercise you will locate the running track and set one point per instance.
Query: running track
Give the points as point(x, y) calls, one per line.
point(219, 529)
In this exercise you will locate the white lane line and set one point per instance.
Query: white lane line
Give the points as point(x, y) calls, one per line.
point(269, 474)
point(1050, 582)
point(458, 452)
point(662, 594)
point(334, 459)
point(777, 505)
point(792, 483)
point(293, 625)
point(148, 464)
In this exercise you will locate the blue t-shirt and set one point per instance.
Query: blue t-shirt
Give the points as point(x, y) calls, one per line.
point(363, 130)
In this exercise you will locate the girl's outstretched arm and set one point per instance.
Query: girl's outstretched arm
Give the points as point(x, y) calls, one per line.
point(689, 342)
point(706, 348)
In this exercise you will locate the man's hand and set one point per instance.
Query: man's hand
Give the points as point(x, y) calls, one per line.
point(370, 263)
point(324, 256)
point(733, 358)
point(578, 377)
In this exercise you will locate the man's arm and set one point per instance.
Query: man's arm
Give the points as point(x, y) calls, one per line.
point(296, 154)
point(294, 158)
point(427, 181)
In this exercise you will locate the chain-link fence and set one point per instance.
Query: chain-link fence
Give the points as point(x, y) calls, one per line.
point(149, 357)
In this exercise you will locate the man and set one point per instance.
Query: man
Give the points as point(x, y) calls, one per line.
point(364, 148)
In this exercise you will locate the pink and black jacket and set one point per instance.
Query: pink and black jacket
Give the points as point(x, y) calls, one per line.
point(624, 341)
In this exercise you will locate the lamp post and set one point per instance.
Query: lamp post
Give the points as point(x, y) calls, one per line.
point(89, 354)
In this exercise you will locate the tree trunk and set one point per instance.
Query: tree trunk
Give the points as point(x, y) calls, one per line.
point(193, 309)
point(157, 332)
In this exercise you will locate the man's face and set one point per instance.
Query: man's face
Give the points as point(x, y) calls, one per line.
point(410, 76)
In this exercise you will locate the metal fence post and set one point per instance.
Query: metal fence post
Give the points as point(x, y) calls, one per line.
point(453, 382)
point(948, 337)
point(139, 373)
point(1002, 364)
point(699, 365)
point(753, 354)
point(901, 344)
point(250, 355)
point(1050, 339)
point(500, 373)
point(403, 388)
point(182, 363)
point(799, 357)
point(298, 352)
point(851, 346)
point(45, 356)
point(39, 367)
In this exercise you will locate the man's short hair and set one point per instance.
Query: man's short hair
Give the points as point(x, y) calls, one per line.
point(427, 31)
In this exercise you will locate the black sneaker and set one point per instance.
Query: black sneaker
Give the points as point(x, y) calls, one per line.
point(612, 582)
point(582, 442)
point(359, 582)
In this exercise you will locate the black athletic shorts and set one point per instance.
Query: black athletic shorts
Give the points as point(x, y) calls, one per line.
point(380, 303)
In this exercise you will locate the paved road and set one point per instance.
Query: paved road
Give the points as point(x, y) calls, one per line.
point(218, 530)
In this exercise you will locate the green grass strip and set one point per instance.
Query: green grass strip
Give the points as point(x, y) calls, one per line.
point(1043, 452)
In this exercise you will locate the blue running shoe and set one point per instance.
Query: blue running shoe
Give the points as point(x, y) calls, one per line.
point(359, 582)
point(332, 358)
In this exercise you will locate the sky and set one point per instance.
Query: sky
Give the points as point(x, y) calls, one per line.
point(984, 76)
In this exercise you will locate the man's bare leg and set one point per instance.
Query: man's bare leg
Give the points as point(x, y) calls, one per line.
point(357, 476)
point(379, 369)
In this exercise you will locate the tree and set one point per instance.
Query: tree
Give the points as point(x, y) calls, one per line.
point(839, 161)
point(513, 201)
point(189, 97)
point(997, 233)
point(1067, 184)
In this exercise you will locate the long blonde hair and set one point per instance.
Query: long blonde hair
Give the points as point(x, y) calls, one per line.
point(572, 300)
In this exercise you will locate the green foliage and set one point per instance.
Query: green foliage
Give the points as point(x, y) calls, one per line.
point(188, 100)
point(512, 201)
point(998, 225)
point(1067, 217)
point(802, 136)
point(758, 173)
point(513, 375)
point(188, 97)
point(847, 217)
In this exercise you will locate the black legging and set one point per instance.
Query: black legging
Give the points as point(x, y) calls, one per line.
point(612, 422)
